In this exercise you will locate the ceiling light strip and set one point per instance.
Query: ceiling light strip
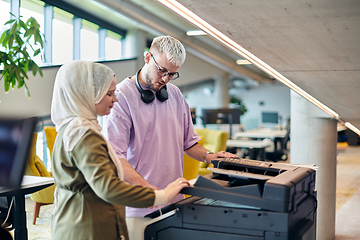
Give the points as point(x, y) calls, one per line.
point(352, 128)
point(195, 33)
point(197, 21)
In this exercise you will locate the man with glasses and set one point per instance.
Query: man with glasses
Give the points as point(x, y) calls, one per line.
point(150, 134)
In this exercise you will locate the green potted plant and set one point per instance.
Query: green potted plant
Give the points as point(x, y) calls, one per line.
point(22, 42)
point(235, 102)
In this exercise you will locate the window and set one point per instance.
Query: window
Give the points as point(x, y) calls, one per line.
point(89, 41)
point(62, 37)
point(4, 17)
point(4, 14)
point(62, 41)
point(33, 9)
point(42, 150)
point(112, 46)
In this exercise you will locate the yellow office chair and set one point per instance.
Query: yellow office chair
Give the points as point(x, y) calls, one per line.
point(214, 141)
point(36, 167)
point(191, 166)
point(50, 134)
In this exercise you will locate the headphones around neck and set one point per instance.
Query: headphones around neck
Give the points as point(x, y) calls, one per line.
point(147, 96)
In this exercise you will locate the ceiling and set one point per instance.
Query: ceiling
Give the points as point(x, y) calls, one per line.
point(313, 43)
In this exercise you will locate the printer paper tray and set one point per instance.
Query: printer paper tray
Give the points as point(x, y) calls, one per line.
point(207, 188)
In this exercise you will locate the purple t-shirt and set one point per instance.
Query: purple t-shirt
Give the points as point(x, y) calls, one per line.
point(151, 137)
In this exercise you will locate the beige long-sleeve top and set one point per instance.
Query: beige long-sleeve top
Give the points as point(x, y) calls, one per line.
point(90, 198)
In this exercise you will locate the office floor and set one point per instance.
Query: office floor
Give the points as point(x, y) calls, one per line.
point(347, 201)
point(348, 195)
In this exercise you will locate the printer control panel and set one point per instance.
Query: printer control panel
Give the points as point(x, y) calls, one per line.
point(241, 161)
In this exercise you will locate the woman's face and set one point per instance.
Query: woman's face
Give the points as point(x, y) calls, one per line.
point(104, 106)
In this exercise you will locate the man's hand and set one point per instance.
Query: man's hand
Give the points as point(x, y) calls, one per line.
point(223, 154)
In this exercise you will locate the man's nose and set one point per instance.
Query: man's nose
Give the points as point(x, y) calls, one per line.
point(165, 78)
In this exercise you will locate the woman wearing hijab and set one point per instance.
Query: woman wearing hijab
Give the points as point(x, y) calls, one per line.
point(91, 194)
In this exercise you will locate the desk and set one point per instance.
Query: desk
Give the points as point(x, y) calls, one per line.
point(30, 184)
point(261, 133)
point(256, 148)
point(275, 135)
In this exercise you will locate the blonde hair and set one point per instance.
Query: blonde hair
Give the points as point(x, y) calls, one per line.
point(175, 51)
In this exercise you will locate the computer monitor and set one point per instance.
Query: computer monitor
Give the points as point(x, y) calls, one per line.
point(270, 117)
point(221, 116)
point(15, 142)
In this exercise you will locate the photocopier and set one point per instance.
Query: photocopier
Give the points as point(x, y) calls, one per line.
point(242, 199)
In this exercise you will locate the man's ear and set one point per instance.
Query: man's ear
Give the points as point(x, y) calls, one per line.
point(147, 57)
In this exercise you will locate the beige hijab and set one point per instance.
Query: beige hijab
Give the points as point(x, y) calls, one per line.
point(79, 85)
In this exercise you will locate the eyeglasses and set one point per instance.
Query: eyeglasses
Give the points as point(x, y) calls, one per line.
point(114, 94)
point(163, 72)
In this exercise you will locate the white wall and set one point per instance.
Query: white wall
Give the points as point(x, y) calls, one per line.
point(276, 98)
point(195, 69)
point(202, 98)
point(16, 103)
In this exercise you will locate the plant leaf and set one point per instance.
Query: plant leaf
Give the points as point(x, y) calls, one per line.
point(11, 40)
point(40, 71)
point(22, 24)
point(6, 86)
point(6, 40)
point(27, 90)
point(21, 83)
point(37, 52)
point(14, 28)
point(34, 70)
point(10, 21)
point(16, 60)
point(19, 40)
point(24, 73)
point(39, 39)
point(3, 35)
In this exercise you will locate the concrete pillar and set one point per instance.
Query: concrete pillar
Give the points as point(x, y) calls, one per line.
point(313, 141)
point(134, 45)
point(222, 90)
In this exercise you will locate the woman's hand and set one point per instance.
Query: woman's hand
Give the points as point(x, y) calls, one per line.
point(175, 187)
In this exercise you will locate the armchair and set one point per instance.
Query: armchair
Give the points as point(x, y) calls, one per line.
point(215, 141)
point(191, 166)
point(36, 167)
point(50, 134)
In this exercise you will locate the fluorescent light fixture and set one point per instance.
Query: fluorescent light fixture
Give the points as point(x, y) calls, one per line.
point(210, 30)
point(195, 33)
point(242, 62)
point(352, 128)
